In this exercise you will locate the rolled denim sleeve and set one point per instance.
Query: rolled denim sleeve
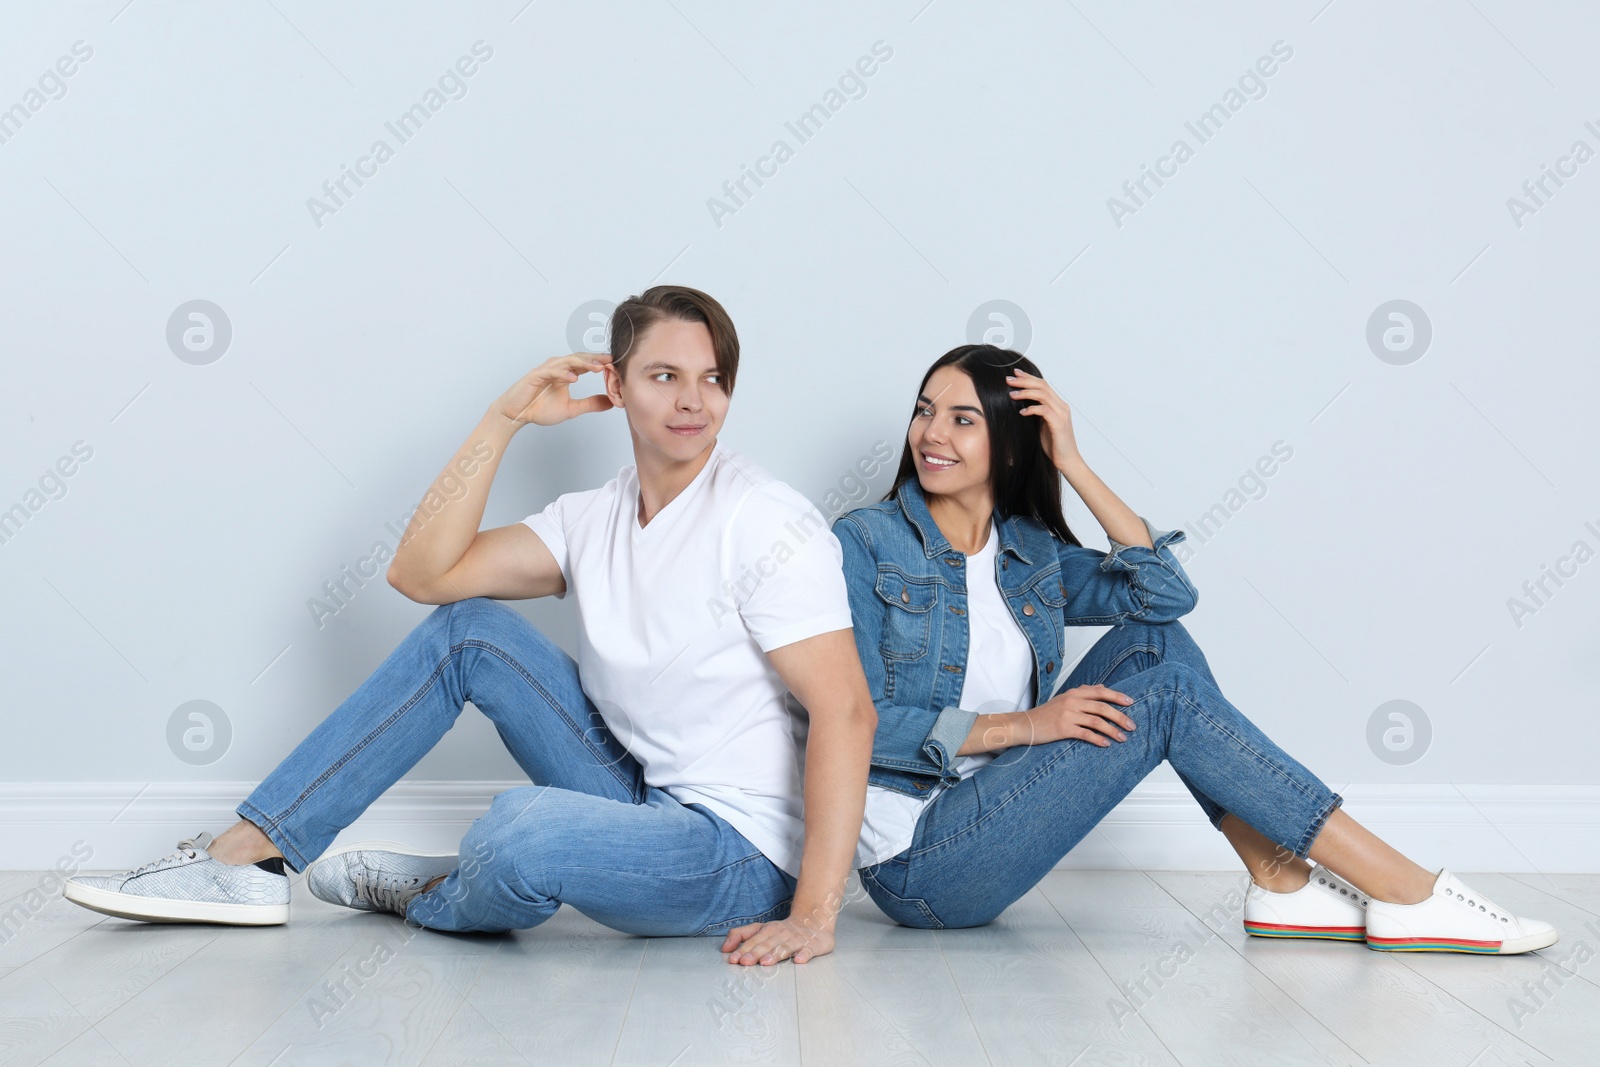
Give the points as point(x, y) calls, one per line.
point(949, 733)
point(1130, 583)
point(909, 738)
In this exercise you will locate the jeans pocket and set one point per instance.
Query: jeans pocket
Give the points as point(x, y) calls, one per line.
point(778, 911)
point(913, 912)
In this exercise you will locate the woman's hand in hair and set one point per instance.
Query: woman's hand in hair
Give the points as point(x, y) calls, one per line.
point(1056, 435)
point(1087, 712)
point(541, 396)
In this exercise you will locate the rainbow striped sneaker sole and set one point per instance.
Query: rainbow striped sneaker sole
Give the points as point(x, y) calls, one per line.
point(1322, 933)
point(1326, 908)
point(1436, 944)
point(1454, 918)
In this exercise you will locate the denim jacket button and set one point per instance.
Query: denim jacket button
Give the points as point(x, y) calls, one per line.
point(1027, 609)
point(920, 785)
point(1048, 667)
point(905, 596)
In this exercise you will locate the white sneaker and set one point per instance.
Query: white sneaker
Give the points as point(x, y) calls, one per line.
point(1454, 919)
point(188, 886)
point(376, 875)
point(1326, 907)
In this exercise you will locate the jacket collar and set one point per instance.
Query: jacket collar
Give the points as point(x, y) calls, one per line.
point(914, 505)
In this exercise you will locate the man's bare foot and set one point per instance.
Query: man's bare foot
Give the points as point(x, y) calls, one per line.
point(243, 843)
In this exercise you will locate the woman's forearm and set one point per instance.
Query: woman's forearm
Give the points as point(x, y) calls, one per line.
point(990, 733)
point(1118, 520)
point(1006, 729)
point(444, 524)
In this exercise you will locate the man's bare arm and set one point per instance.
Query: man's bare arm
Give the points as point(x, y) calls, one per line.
point(824, 673)
point(443, 556)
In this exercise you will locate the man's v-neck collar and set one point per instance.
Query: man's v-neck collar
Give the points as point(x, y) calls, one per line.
point(673, 505)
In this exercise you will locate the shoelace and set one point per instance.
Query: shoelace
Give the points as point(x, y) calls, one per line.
point(391, 892)
point(189, 848)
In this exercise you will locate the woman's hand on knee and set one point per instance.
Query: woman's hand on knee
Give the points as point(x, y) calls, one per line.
point(775, 941)
point(1086, 713)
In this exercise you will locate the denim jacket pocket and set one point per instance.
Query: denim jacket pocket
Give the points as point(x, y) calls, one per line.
point(907, 615)
point(1045, 593)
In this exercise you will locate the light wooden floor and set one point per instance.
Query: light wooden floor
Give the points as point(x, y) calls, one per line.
point(1091, 967)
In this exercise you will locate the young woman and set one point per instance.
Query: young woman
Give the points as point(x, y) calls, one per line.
point(667, 776)
point(965, 584)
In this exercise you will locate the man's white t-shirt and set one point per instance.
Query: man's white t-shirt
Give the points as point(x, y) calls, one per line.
point(999, 678)
point(675, 619)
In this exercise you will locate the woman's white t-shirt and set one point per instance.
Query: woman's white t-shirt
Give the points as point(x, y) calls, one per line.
point(999, 678)
point(675, 620)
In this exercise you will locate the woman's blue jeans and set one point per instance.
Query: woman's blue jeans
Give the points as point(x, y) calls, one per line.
point(982, 844)
point(589, 832)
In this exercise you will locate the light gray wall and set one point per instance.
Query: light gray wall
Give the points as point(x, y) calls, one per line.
point(1227, 312)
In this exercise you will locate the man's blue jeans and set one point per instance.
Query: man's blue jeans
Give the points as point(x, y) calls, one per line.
point(589, 832)
point(982, 844)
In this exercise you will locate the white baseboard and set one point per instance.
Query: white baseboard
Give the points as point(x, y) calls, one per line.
point(1514, 828)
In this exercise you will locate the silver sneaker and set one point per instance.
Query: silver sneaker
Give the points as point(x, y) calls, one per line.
point(189, 886)
point(376, 875)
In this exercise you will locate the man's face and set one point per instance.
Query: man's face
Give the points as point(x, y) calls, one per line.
point(672, 394)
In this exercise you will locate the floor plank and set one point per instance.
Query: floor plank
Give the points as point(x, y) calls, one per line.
point(883, 1007)
point(1579, 890)
point(34, 923)
point(383, 1001)
point(556, 994)
point(88, 1049)
point(229, 992)
point(1031, 958)
point(35, 1020)
point(689, 1006)
point(1090, 967)
point(111, 962)
point(1376, 1003)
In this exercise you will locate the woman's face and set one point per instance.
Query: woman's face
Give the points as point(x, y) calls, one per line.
point(949, 437)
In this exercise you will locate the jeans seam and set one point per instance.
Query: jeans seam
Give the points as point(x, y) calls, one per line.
point(760, 917)
point(918, 902)
point(1261, 759)
point(973, 826)
point(740, 921)
point(1065, 749)
point(411, 702)
point(1309, 838)
point(275, 833)
point(669, 876)
point(555, 705)
point(1130, 650)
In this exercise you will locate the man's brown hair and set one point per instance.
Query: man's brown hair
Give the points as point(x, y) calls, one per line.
point(635, 315)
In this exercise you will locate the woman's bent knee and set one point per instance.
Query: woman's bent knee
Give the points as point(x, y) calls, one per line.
point(1174, 675)
point(476, 610)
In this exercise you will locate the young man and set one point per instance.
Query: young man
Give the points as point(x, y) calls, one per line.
point(667, 762)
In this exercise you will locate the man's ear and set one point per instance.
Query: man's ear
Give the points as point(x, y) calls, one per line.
point(613, 379)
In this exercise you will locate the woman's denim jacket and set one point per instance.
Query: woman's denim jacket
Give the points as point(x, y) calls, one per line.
point(908, 602)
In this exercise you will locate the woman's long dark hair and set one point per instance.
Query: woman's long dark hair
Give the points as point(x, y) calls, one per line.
point(1024, 480)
